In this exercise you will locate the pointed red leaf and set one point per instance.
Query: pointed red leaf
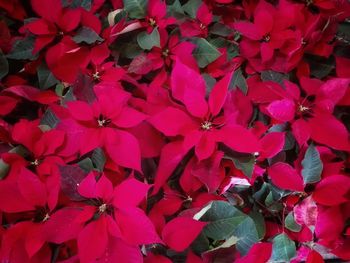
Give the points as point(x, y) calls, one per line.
point(286, 177)
point(180, 232)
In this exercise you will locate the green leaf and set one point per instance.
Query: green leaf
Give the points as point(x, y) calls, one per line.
point(4, 168)
point(209, 83)
point(312, 165)
point(87, 35)
point(245, 163)
point(50, 119)
point(98, 159)
point(4, 65)
point(200, 244)
point(86, 164)
point(343, 33)
point(46, 78)
point(220, 30)
point(270, 75)
point(86, 4)
point(247, 235)
point(175, 10)
point(259, 222)
point(205, 53)
point(320, 67)
point(223, 219)
point(191, 7)
point(290, 223)
point(135, 8)
point(147, 41)
point(283, 249)
point(23, 49)
point(239, 81)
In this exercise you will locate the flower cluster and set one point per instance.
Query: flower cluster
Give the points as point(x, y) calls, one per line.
point(174, 131)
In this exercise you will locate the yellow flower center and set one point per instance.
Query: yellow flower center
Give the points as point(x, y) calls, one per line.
point(152, 22)
point(102, 208)
point(207, 125)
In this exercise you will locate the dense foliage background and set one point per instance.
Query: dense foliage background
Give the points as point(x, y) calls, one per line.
point(177, 131)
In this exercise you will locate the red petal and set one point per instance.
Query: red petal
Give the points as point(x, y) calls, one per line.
point(31, 188)
point(332, 190)
point(119, 251)
point(129, 117)
point(195, 102)
point(206, 145)
point(271, 144)
point(248, 30)
point(69, 20)
point(171, 156)
point(314, 257)
point(334, 90)
point(124, 149)
point(266, 52)
point(259, 253)
point(301, 131)
point(62, 226)
point(191, 93)
point(204, 15)
point(48, 9)
point(93, 240)
point(330, 223)
point(180, 232)
point(7, 104)
point(282, 110)
point(87, 186)
point(286, 177)
point(130, 193)
point(328, 130)
point(209, 172)
point(218, 94)
point(239, 139)
point(263, 20)
point(104, 188)
point(11, 201)
point(41, 27)
point(173, 121)
point(136, 227)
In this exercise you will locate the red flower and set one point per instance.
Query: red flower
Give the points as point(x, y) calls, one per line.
point(117, 223)
point(199, 26)
point(199, 122)
point(102, 124)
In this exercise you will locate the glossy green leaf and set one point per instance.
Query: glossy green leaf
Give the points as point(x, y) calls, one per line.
point(223, 219)
point(86, 35)
point(283, 249)
point(98, 159)
point(191, 7)
point(239, 81)
point(86, 164)
point(147, 41)
point(205, 53)
point(50, 119)
point(4, 65)
point(270, 75)
point(290, 223)
point(23, 49)
point(312, 165)
point(247, 235)
point(4, 168)
point(46, 78)
point(135, 8)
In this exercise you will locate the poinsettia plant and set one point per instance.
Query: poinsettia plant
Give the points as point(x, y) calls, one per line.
point(174, 131)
